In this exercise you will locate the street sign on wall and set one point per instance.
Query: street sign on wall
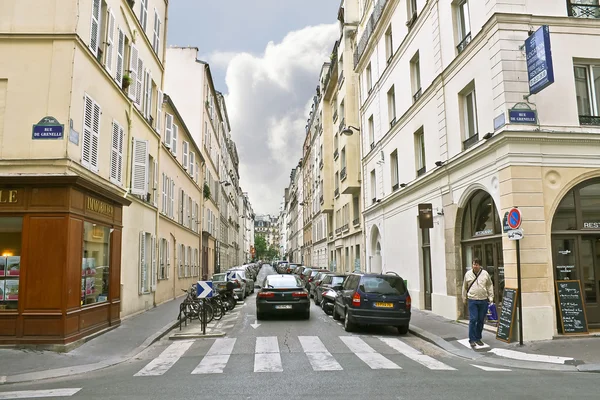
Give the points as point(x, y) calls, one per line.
point(540, 70)
point(48, 128)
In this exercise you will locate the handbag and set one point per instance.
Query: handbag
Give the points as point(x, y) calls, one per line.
point(492, 313)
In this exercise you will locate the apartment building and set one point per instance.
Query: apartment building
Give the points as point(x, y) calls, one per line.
point(309, 186)
point(294, 209)
point(82, 184)
point(246, 229)
point(443, 89)
point(341, 97)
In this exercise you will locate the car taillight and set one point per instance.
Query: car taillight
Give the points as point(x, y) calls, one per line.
point(310, 279)
point(408, 302)
point(299, 294)
point(266, 294)
point(356, 299)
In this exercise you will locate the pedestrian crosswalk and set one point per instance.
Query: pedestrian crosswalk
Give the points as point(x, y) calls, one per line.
point(376, 353)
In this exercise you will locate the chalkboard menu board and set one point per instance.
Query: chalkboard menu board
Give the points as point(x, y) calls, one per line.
point(507, 315)
point(571, 307)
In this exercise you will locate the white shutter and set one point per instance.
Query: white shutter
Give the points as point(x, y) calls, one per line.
point(139, 172)
point(197, 172)
point(164, 194)
point(181, 204)
point(192, 163)
point(168, 262)
point(161, 259)
point(193, 211)
point(172, 199)
point(133, 68)
point(185, 149)
point(95, 27)
point(154, 272)
point(120, 58)
point(144, 14)
point(156, 37)
point(116, 154)
point(168, 129)
point(197, 217)
point(155, 188)
point(174, 140)
point(143, 270)
point(159, 101)
point(110, 42)
point(86, 141)
point(140, 82)
point(95, 142)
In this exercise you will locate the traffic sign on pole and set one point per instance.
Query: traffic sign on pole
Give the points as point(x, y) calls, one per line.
point(514, 218)
point(204, 289)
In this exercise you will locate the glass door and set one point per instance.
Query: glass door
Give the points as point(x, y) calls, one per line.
point(590, 276)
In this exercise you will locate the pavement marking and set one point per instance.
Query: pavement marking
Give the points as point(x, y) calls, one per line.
point(367, 353)
point(34, 394)
point(517, 355)
point(215, 360)
point(320, 359)
point(465, 342)
point(2, 379)
point(267, 357)
point(416, 355)
point(166, 359)
point(491, 369)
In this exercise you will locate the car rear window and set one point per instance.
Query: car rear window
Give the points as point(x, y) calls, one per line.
point(285, 281)
point(390, 285)
point(313, 273)
point(337, 280)
point(220, 277)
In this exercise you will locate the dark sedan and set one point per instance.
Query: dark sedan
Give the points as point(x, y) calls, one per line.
point(282, 294)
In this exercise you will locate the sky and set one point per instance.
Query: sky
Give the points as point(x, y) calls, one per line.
point(265, 56)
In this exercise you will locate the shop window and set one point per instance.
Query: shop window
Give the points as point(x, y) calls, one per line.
point(95, 266)
point(10, 261)
point(589, 197)
point(565, 218)
point(481, 217)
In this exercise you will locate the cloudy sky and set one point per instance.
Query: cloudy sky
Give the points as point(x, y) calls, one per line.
point(265, 55)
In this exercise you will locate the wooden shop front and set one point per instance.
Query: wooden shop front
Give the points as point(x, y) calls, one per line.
point(60, 259)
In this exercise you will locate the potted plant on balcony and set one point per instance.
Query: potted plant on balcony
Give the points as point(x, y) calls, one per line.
point(126, 81)
point(206, 191)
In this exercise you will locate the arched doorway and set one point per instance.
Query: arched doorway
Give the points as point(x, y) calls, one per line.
point(576, 244)
point(481, 238)
point(376, 264)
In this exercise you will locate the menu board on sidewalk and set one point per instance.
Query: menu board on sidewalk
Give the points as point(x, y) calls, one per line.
point(506, 318)
point(572, 308)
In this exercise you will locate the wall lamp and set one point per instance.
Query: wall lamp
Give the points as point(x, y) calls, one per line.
point(348, 131)
point(488, 135)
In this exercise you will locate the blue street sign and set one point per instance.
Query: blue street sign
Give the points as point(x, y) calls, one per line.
point(522, 116)
point(48, 128)
point(539, 60)
point(204, 289)
point(514, 218)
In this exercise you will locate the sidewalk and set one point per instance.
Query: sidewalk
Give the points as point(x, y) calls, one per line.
point(116, 346)
point(561, 354)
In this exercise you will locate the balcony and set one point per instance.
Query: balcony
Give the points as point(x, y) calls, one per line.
point(474, 139)
point(331, 236)
point(583, 10)
point(417, 95)
point(392, 122)
point(372, 145)
point(321, 164)
point(356, 222)
point(343, 174)
point(589, 120)
point(345, 228)
point(421, 171)
point(335, 115)
point(369, 29)
point(395, 187)
point(342, 124)
point(336, 193)
point(338, 231)
point(321, 199)
point(464, 43)
point(336, 153)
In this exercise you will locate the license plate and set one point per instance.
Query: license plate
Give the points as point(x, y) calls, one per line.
point(283, 307)
point(384, 305)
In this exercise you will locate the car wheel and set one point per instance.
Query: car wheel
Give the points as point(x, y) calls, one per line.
point(403, 329)
point(348, 326)
point(335, 314)
point(316, 302)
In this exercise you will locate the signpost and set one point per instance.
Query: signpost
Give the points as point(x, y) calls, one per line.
point(540, 70)
point(204, 290)
point(514, 220)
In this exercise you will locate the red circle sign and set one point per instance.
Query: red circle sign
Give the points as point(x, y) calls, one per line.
point(514, 218)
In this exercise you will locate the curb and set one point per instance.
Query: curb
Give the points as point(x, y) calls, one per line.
point(470, 355)
point(80, 369)
point(196, 336)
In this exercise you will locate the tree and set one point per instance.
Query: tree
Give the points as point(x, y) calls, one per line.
point(260, 245)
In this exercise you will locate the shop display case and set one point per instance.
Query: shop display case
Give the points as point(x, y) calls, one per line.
point(10, 269)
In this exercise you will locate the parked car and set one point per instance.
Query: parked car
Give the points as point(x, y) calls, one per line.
point(313, 278)
point(329, 281)
point(373, 299)
point(243, 274)
point(282, 294)
point(241, 288)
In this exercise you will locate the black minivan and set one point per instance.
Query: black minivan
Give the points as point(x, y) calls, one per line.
point(373, 299)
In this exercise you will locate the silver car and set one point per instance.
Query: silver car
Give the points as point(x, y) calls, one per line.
point(245, 277)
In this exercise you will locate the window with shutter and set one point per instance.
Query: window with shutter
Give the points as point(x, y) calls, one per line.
point(143, 264)
point(172, 209)
point(197, 217)
point(168, 262)
point(174, 140)
point(116, 155)
point(86, 142)
point(189, 211)
point(140, 82)
point(185, 151)
point(120, 58)
point(95, 26)
point(155, 187)
point(95, 138)
point(147, 94)
point(144, 14)
point(139, 171)
point(161, 258)
point(159, 101)
point(197, 172)
point(156, 38)
point(110, 42)
point(168, 129)
point(164, 194)
point(133, 68)
point(181, 205)
point(192, 163)
point(153, 272)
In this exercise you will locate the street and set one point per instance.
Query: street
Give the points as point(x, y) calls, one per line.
point(294, 359)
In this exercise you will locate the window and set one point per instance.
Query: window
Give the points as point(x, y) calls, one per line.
point(369, 77)
point(185, 150)
point(389, 45)
point(133, 72)
point(10, 262)
point(168, 130)
point(188, 261)
point(116, 154)
point(174, 135)
point(172, 199)
point(420, 151)
point(469, 111)
point(147, 262)
point(156, 36)
point(91, 134)
point(335, 145)
point(109, 43)
point(342, 110)
point(343, 158)
point(165, 194)
point(180, 260)
point(139, 170)
point(95, 26)
point(371, 132)
point(159, 103)
point(415, 69)
point(391, 98)
point(412, 10)
point(355, 210)
point(464, 25)
point(95, 268)
point(373, 186)
point(147, 104)
point(587, 89)
point(164, 259)
point(144, 14)
point(394, 169)
point(192, 163)
point(120, 58)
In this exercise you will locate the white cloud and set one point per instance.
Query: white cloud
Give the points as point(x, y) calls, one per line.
point(219, 59)
point(267, 106)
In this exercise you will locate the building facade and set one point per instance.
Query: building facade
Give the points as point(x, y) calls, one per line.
point(436, 129)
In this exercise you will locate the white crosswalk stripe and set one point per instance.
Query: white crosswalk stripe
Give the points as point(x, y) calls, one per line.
point(320, 359)
point(216, 359)
point(36, 394)
point(416, 355)
point(166, 359)
point(267, 357)
point(367, 353)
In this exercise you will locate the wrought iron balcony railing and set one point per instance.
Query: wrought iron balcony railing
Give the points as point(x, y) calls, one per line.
point(335, 115)
point(417, 95)
point(336, 153)
point(471, 141)
point(345, 228)
point(356, 222)
point(421, 171)
point(395, 187)
point(589, 120)
point(583, 10)
point(321, 165)
point(336, 192)
point(343, 174)
point(464, 43)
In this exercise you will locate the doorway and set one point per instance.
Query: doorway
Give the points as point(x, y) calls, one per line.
point(492, 260)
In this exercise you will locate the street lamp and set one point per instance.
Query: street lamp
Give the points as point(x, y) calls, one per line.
point(349, 130)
